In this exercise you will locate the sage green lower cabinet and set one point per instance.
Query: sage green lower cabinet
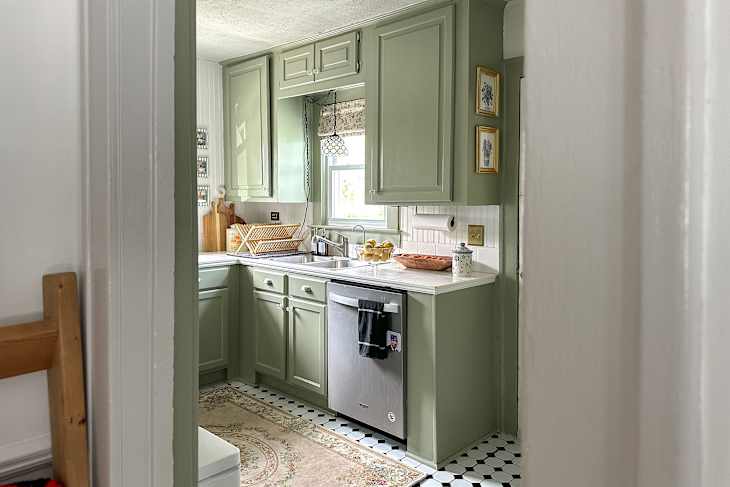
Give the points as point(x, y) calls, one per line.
point(307, 357)
point(452, 391)
point(289, 332)
point(218, 324)
point(213, 335)
point(271, 336)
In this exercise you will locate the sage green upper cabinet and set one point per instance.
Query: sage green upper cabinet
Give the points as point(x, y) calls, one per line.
point(337, 57)
point(213, 332)
point(421, 113)
point(410, 93)
point(246, 129)
point(319, 66)
point(297, 67)
point(307, 345)
point(271, 325)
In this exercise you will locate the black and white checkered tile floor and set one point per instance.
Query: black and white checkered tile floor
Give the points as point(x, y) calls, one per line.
point(493, 462)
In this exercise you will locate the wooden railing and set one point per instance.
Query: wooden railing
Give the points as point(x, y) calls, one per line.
point(54, 344)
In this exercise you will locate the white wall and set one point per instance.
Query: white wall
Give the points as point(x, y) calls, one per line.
point(40, 186)
point(210, 116)
point(624, 335)
point(513, 35)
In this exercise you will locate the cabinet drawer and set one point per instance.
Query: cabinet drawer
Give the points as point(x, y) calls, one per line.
point(213, 278)
point(269, 281)
point(308, 288)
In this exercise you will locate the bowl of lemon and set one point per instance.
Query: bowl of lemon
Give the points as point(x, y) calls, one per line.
point(372, 251)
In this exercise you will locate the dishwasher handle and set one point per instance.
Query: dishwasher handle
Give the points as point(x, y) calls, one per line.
point(353, 303)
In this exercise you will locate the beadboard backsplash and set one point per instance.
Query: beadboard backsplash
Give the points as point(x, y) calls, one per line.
point(422, 241)
point(442, 243)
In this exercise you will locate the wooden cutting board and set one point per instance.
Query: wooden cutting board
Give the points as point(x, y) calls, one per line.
point(215, 223)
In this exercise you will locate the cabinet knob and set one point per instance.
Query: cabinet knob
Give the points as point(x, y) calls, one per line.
point(268, 282)
point(315, 71)
point(307, 289)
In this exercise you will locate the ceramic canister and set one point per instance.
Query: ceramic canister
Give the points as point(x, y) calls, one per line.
point(462, 261)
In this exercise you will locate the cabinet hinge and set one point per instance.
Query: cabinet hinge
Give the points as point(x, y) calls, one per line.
point(357, 67)
point(357, 36)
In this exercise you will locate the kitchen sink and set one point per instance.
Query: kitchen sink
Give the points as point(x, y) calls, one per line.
point(338, 264)
point(306, 259)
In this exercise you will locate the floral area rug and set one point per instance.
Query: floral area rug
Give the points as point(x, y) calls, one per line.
point(278, 449)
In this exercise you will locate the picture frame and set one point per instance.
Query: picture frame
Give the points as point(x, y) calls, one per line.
point(487, 91)
point(203, 195)
point(201, 138)
point(202, 166)
point(487, 150)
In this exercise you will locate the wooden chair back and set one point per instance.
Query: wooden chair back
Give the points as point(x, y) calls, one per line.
point(54, 344)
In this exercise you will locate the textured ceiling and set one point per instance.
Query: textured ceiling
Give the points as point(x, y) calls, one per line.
point(233, 28)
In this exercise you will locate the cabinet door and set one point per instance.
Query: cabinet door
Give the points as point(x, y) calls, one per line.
point(410, 110)
point(213, 331)
point(247, 145)
point(307, 359)
point(296, 67)
point(337, 57)
point(271, 320)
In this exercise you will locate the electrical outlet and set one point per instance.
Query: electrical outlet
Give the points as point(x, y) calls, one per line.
point(476, 235)
point(274, 216)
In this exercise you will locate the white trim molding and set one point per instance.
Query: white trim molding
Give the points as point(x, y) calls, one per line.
point(129, 245)
point(624, 334)
point(25, 456)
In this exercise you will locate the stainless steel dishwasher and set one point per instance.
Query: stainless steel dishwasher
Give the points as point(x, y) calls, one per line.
point(369, 390)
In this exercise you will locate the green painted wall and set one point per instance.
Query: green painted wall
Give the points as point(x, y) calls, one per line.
point(185, 392)
point(508, 283)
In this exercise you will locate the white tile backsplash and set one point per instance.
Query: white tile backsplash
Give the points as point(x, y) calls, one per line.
point(414, 241)
point(442, 243)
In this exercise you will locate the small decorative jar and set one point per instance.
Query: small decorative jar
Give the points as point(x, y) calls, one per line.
point(462, 261)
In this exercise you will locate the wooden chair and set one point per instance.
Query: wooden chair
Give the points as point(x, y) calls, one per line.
point(54, 344)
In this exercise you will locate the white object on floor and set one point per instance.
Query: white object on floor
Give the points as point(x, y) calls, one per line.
point(219, 462)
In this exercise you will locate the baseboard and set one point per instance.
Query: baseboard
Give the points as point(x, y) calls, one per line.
point(25, 457)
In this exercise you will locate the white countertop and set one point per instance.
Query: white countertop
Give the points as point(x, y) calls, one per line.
point(390, 275)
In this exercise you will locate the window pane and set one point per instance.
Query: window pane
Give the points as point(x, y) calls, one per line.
point(355, 152)
point(347, 201)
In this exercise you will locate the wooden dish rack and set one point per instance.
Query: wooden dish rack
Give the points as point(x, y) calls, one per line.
point(263, 238)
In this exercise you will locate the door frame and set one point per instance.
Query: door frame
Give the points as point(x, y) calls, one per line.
point(140, 243)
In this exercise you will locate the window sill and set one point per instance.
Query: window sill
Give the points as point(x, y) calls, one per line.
point(341, 228)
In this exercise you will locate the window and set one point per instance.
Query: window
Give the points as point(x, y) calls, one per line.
point(343, 177)
point(346, 188)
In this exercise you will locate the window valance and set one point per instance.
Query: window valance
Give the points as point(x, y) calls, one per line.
point(350, 118)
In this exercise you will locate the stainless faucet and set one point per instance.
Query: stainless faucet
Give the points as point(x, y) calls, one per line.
point(343, 247)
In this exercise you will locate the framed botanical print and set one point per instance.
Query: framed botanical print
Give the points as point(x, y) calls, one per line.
point(487, 90)
point(487, 150)
point(201, 138)
point(203, 195)
point(202, 165)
